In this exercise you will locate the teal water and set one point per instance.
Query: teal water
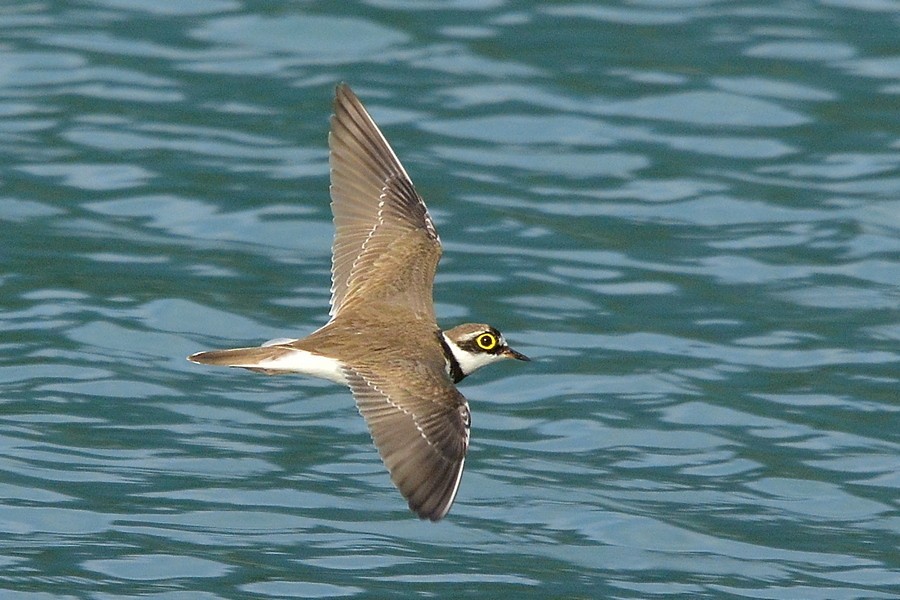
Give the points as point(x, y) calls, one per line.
point(687, 213)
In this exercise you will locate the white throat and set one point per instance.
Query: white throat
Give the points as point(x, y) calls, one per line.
point(469, 362)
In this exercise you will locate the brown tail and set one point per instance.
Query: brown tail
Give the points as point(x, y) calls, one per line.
point(244, 358)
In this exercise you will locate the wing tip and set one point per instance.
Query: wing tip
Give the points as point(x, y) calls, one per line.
point(344, 97)
point(446, 496)
point(343, 89)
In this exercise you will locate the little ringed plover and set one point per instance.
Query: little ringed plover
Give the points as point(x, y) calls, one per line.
point(382, 339)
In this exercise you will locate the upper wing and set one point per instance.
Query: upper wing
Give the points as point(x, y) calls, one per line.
point(385, 244)
point(420, 426)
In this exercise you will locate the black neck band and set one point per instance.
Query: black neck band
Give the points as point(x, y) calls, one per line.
point(456, 372)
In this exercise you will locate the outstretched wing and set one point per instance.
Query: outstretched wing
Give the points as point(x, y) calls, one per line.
point(385, 244)
point(420, 425)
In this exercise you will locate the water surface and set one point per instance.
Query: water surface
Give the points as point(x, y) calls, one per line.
point(686, 213)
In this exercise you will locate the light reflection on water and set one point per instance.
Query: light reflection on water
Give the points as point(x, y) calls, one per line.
point(688, 217)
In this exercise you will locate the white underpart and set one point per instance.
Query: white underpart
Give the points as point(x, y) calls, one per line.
point(307, 363)
point(278, 342)
point(471, 361)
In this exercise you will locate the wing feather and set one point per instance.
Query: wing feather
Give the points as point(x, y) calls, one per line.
point(421, 430)
point(385, 245)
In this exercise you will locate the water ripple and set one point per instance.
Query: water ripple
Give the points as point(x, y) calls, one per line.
point(684, 212)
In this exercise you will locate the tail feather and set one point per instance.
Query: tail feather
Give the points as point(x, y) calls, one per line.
point(246, 358)
point(281, 358)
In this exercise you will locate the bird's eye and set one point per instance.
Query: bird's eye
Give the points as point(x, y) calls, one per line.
point(486, 341)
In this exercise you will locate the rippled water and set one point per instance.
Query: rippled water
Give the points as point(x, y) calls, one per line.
point(687, 213)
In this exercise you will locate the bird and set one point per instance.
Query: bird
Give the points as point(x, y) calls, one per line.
point(382, 339)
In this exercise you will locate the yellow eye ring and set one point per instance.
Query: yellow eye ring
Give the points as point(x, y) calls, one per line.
point(486, 341)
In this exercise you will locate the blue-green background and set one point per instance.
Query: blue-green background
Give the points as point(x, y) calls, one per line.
point(687, 212)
